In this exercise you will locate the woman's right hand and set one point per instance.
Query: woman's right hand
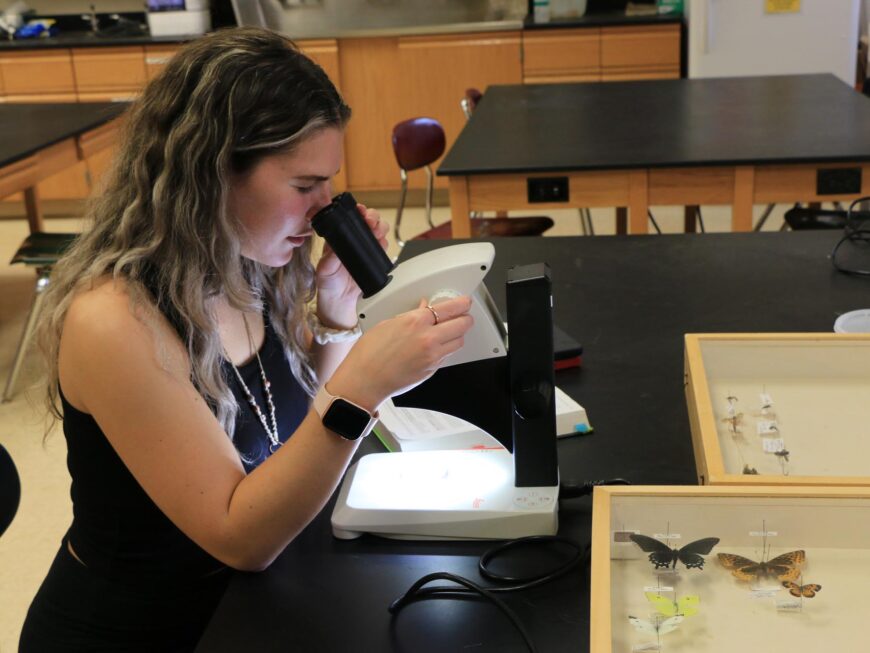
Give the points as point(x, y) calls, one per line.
point(401, 352)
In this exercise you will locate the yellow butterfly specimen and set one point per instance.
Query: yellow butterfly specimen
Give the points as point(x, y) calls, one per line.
point(808, 591)
point(685, 605)
point(784, 567)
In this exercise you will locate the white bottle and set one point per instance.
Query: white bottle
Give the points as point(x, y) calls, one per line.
point(542, 11)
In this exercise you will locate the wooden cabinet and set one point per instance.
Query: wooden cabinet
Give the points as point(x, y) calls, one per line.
point(156, 57)
point(108, 74)
point(647, 52)
point(384, 80)
point(565, 55)
point(602, 54)
point(324, 52)
point(387, 80)
point(436, 71)
point(38, 76)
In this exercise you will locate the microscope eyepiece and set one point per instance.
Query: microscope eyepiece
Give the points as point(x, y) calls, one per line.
point(342, 226)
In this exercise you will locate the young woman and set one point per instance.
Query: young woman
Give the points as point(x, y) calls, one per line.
point(186, 332)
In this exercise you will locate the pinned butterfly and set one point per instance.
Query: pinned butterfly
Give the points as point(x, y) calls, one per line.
point(685, 606)
point(656, 626)
point(808, 591)
point(785, 567)
point(662, 556)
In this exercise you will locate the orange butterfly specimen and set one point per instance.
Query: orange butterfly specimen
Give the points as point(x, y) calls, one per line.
point(808, 591)
point(784, 567)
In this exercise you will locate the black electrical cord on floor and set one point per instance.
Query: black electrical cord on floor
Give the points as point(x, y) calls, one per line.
point(856, 232)
point(470, 589)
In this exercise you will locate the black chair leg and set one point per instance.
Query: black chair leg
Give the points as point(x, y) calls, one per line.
point(42, 281)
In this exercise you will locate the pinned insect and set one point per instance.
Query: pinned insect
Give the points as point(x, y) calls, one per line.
point(807, 591)
point(662, 556)
point(783, 567)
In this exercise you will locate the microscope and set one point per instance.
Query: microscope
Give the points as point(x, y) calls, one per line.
point(501, 380)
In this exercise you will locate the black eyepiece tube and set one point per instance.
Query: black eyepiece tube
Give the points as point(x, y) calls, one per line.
point(342, 226)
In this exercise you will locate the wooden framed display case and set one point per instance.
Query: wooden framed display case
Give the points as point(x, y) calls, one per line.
point(727, 569)
point(779, 409)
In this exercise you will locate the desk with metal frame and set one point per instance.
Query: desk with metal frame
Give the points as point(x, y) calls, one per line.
point(734, 141)
point(629, 300)
point(39, 140)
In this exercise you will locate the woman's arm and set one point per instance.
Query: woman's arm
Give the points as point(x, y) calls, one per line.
point(133, 376)
point(337, 295)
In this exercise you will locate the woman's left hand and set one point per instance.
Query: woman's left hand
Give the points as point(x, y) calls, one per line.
point(337, 292)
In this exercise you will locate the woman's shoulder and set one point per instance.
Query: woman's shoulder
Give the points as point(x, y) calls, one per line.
point(114, 318)
point(105, 306)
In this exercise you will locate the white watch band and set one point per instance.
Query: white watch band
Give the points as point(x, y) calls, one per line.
point(324, 335)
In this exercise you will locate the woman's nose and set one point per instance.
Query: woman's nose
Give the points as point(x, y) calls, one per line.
point(323, 198)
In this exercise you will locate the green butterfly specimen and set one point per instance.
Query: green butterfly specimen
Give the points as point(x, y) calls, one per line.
point(685, 605)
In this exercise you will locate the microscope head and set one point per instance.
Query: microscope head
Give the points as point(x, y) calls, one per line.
point(438, 275)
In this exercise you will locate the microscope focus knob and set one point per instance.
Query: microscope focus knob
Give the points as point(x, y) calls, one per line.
point(443, 295)
point(532, 396)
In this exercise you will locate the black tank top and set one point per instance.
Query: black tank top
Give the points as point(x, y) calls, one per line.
point(117, 530)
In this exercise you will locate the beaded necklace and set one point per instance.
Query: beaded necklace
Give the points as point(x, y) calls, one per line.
point(272, 432)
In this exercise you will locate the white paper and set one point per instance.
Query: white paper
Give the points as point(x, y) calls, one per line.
point(772, 445)
point(766, 426)
point(408, 424)
point(763, 533)
point(764, 592)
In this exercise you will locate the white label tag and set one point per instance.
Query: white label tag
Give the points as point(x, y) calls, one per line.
point(667, 572)
point(766, 426)
point(623, 536)
point(764, 592)
point(667, 536)
point(659, 589)
point(766, 401)
point(789, 605)
point(772, 445)
point(763, 533)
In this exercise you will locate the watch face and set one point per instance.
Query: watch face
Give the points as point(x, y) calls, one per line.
point(347, 420)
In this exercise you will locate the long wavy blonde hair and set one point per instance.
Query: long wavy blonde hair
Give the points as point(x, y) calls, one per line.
point(162, 224)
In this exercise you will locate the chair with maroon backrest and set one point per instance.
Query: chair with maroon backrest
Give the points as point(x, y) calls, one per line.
point(419, 142)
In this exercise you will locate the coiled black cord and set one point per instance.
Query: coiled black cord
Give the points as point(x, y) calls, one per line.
point(468, 588)
point(856, 232)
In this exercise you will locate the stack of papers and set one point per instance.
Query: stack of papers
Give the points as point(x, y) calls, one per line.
point(418, 429)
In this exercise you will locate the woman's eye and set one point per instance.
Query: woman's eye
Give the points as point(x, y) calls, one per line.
point(305, 189)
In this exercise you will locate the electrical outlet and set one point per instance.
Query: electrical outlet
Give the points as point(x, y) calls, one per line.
point(547, 189)
point(838, 181)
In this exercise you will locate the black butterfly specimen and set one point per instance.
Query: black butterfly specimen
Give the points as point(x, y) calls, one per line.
point(662, 556)
point(784, 567)
point(808, 591)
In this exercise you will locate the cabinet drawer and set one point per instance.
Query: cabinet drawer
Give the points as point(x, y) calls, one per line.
point(156, 58)
point(37, 73)
point(108, 70)
point(566, 54)
point(641, 49)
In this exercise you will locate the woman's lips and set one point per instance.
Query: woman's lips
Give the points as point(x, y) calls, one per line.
point(298, 241)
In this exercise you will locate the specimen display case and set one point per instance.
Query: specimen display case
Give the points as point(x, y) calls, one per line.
point(779, 409)
point(729, 568)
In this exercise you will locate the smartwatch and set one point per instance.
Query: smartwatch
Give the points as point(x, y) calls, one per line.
point(342, 416)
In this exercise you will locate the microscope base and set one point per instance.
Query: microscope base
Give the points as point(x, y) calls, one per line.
point(433, 495)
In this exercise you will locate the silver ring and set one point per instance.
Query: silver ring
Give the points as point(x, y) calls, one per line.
point(434, 314)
